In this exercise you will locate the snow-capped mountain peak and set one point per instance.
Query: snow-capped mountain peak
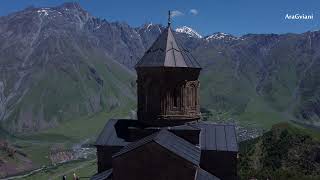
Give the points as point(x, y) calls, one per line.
point(189, 31)
point(44, 11)
point(220, 36)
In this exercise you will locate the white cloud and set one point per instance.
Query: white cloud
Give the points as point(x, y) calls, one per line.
point(175, 13)
point(194, 12)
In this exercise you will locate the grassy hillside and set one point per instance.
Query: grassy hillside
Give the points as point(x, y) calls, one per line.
point(262, 80)
point(82, 168)
point(224, 91)
point(285, 152)
point(59, 93)
point(37, 146)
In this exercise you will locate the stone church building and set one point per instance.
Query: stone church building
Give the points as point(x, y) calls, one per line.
point(168, 141)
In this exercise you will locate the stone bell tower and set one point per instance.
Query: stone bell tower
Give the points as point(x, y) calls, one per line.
point(168, 86)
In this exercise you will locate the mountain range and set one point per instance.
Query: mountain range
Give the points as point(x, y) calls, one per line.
point(61, 63)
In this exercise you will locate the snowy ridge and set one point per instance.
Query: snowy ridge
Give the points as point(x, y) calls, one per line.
point(189, 31)
point(220, 36)
point(150, 27)
point(44, 11)
point(52, 12)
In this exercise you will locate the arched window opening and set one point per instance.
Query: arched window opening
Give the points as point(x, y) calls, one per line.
point(152, 98)
point(189, 96)
point(146, 99)
point(176, 97)
point(192, 96)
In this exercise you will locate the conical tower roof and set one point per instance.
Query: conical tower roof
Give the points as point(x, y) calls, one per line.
point(166, 52)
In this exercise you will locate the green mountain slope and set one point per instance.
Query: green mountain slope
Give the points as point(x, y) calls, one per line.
point(262, 79)
point(285, 152)
point(57, 94)
point(59, 66)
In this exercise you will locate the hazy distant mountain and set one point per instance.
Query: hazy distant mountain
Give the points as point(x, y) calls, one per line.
point(60, 63)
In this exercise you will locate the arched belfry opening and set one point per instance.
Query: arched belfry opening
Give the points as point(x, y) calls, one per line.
point(168, 82)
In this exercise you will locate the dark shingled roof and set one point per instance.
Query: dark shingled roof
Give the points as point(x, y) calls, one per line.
point(102, 176)
point(204, 175)
point(166, 52)
point(109, 137)
point(169, 141)
point(217, 137)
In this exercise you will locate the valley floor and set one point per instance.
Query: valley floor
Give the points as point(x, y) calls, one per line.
point(65, 150)
point(54, 152)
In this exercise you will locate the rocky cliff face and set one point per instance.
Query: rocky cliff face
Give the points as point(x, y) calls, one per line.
point(60, 63)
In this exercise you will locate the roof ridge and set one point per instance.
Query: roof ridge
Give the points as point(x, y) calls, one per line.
point(180, 147)
point(136, 144)
point(173, 147)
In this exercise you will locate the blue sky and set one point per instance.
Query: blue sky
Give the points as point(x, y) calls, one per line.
point(237, 17)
